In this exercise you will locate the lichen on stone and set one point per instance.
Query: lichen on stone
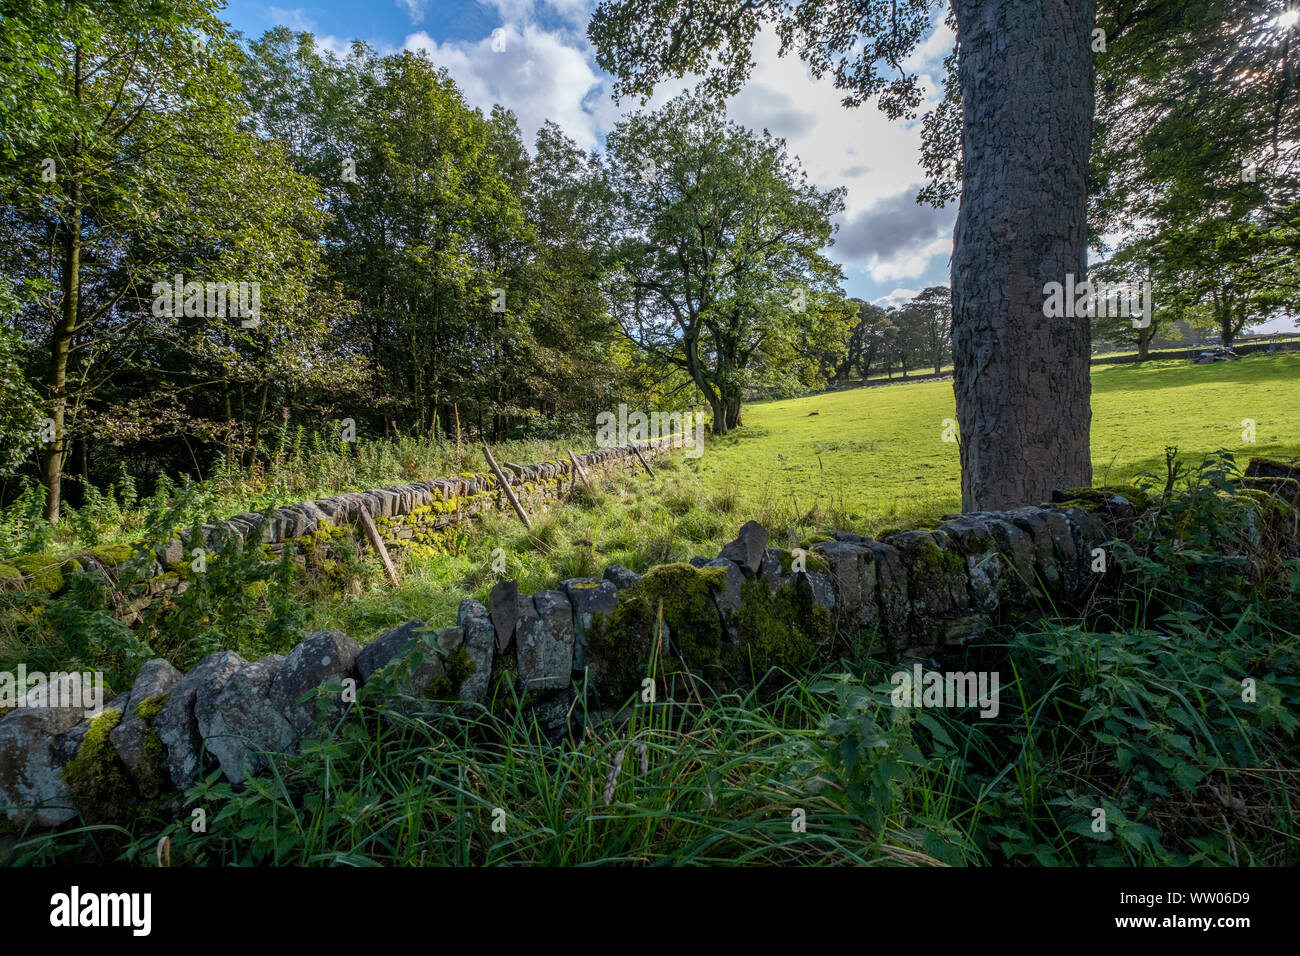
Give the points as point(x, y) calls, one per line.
point(1090, 499)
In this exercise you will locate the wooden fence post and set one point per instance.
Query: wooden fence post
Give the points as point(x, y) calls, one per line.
point(505, 486)
point(578, 469)
point(377, 543)
point(636, 451)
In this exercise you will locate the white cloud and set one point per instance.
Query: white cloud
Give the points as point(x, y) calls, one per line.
point(929, 54)
point(537, 73)
point(910, 263)
point(897, 297)
point(414, 9)
point(546, 70)
point(295, 19)
point(883, 230)
point(577, 12)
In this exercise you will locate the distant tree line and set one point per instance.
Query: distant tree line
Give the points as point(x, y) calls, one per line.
point(895, 340)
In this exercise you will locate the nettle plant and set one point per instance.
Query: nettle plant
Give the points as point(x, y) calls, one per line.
point(1207, 549)
point(235, 599)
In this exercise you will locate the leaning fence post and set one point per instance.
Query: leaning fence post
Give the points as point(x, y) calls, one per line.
point(377, 543)
point(578, 469)
point(505, 486)
point(636, 451)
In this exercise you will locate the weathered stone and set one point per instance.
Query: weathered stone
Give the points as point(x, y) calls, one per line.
point(621, 577)
point(1033, 521)
point(293, 523)
point(816, 586)
point(1016, 548)
point(748, 548)
point(480, 637)
point(700, 562)
point(504, 606)
point(590, 599)
point(973, 538)
point(956, 631)
point(32, 787)
point(891, 589)
point(936, 575)
point(847, 536)
point(853, 573)
point(544, 636)
point(727, 598)
point(332, 508)
point(1262, 467)
point(1067, 556)
point(325, 657)
point(177, 722)
point(386, 647)
point(244, 721)
point(1089, 533)
point(172, 552)
point(448, 640)
point(551, 713)
point(771, 571)
point(129, 737)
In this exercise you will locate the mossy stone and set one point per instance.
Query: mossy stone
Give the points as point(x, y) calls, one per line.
point(1091, 499)
point(781, 629)
point(97, 780)
point(43, 572)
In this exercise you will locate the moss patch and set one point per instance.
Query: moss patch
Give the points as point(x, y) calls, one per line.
point(812, 562)
point(686, 594)
point(148, 708)
point(151, 777)
point(112, 555)
point(456, 667)
point(780, 630)
point(1092, 499)
point(923, 523)
point(97, 780)
point(44, 573)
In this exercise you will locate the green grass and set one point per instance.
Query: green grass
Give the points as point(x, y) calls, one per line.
point(1138, 711)
point(873, 455)
point(872, 458)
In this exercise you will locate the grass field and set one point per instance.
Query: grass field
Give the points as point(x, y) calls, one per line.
point(869, 459)
point(875, 454)
point(1096, 715)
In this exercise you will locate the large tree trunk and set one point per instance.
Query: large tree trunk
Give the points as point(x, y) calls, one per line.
point(1021, 379)
point(731, 409)
point(1144, 342)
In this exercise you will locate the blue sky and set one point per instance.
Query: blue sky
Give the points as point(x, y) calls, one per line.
point(541, 65)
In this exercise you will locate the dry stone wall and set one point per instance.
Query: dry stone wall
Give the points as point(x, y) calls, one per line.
point(725, 620)
point(419, 517)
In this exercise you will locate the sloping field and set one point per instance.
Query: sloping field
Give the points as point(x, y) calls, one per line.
point(871, 454)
